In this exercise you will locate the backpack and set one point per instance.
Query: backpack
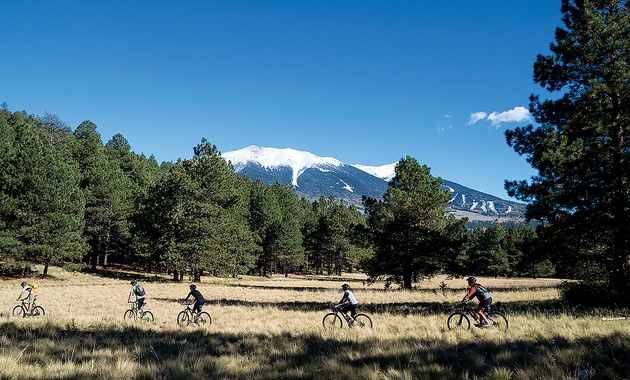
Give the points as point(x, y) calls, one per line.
point(140, 290)
point(34, 285)
point(483, 291)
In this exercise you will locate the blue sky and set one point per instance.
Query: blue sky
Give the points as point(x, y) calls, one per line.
point(366, 82)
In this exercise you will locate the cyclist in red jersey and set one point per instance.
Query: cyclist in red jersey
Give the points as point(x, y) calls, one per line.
point(484, 297)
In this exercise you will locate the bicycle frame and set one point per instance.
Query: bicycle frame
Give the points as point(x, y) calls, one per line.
point(345, 316)
point(134, 306)
point(472, 311)
point(189, 310)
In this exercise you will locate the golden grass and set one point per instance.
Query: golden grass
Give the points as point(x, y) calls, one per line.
point(270, 328)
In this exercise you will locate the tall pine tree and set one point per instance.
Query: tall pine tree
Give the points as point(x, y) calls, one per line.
point(580, 147)
point(41, 204)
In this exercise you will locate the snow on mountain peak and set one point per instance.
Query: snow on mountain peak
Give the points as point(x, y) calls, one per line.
point(271, 158)
point(385, 172)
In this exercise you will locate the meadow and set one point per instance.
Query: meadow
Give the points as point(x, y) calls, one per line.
point(271, 328)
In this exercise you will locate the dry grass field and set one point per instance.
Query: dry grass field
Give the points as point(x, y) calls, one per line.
point(271, 328)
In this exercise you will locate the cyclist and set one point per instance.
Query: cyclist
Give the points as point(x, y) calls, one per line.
point(32, 295)
point(139, 293)
point(199, 300)
point(348, 303)
point(484, 297)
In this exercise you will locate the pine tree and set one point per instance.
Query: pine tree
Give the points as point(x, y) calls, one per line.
point(193, 218)
point(108, 200)
point(580, 147)
point(413, 236)
point(41, 204)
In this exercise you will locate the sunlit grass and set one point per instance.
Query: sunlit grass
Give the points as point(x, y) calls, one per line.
point(270, 328)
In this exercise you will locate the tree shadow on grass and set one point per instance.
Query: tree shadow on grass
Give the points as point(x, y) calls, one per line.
point(435, 291)
point(207, 353)
point(547, 308)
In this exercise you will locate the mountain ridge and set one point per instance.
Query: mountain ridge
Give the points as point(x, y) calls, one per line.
point(314, 176)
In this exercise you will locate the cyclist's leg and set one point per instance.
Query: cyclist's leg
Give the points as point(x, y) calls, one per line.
point(141, 305)
point(137, 305)
point(197, 309)
point(482, 309)
point(31, 300)
point(345, 309)
point(354, 309)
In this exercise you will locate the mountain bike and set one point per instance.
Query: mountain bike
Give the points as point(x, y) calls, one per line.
point(141, 314)
point(460, 320)
point(22, 310)
point(335, 320)
point(188, 317)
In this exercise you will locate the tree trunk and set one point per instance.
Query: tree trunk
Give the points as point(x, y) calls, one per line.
point(407, 277)
point(94, 260)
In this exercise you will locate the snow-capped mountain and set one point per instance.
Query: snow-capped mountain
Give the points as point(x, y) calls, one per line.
point(274, 159)
point(314, 176)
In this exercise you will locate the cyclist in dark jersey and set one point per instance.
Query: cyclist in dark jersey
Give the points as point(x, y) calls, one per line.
point(484, 297)
point(199, 300)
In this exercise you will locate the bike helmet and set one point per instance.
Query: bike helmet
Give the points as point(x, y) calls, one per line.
point(193, 287)
point(345, 286)
point(23, 284)
point(471, 280)
point(134, 282)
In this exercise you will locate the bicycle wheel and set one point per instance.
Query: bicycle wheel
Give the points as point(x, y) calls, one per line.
point(130, 315)
point(183, 318)
point(498, 320)
point(332, 321)
point(147, 316)
point(38, 311)
point(19, 311)
point(362, 321)
point(458, 321)
point(203, 318)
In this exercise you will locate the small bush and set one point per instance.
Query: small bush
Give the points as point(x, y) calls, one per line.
point(16, 269)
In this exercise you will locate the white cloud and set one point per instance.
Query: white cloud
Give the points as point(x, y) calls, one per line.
point(443, 129)
point(448, 116)
point(516, 114)
point(475, 117)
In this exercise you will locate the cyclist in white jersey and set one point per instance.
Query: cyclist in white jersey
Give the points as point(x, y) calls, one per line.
point(348, 302)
